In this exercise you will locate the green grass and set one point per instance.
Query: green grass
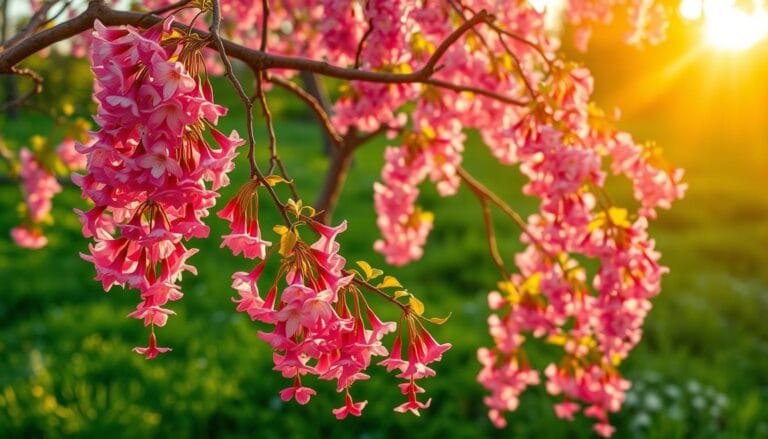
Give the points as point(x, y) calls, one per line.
point(66, 366)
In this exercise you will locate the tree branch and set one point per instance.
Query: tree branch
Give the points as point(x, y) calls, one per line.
point(255, 59)
point(38, 19)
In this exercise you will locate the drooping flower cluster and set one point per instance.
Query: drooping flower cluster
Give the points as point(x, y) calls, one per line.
point(149, 163)
point(39, 187)
point(429, 152)
point(596, 321)
point(647, 19)
point(321, 322)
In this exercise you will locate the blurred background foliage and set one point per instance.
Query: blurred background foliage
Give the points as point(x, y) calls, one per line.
point(66, 366)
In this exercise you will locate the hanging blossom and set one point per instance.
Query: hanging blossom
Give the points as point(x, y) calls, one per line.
point(320, 322)
point(39, 187)
point(148, 165)
point(596, 321)
point(647, 19)
point(39, 184)
point(434, 152)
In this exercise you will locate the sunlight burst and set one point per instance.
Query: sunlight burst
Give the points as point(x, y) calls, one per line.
point(728, 26)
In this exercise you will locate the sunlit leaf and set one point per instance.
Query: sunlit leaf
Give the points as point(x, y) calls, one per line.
point(416, 305)
point(370, 272)
point(389, 282)
point(288, 242)
point(439, 320)
point(275, 179)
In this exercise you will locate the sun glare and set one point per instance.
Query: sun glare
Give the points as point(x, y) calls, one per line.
point(728, 26)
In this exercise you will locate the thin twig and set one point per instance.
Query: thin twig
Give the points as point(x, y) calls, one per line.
point(359, 51)
point(37, 88)
point(264, 25)
point(477, 90)
point(312, 103)
point(380, 292)
point(481, 191)
point(255, 171)
point(493, 248)
point(37, 20)
point(274, 157)
point(169, 8)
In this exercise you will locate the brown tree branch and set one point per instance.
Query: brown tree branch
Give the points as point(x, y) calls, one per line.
point(255, 59)
point(38, 19)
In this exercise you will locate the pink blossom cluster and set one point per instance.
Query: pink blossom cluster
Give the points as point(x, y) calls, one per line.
point(69, 156)
point(597, 322)
point(433, 151)
point(321, 323)
point(39, 187)
point(655, 184)
point(648, 19)
point(149, 163)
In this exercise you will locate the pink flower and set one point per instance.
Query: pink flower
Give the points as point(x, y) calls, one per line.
point(349, 408)
point(604, 429)
point(28, 237)
point(69, 155)
point(152, 350)
point(172, 76)
point(242, 213)
point(159, 164)
point(566, 409)
point(301, 394)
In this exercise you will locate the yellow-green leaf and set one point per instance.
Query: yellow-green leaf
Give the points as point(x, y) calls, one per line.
point(275, 179)
point(288, 242)
point(280, 229)
point(438, 320)
point(311, 210)
point(366, 268)
point(370, 272)
point(389, 282)
point(416, 305)
point(558, 339)
point(401, 293)
point(619, 217)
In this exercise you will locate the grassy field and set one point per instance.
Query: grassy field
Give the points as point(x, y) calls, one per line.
point(66, 366)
